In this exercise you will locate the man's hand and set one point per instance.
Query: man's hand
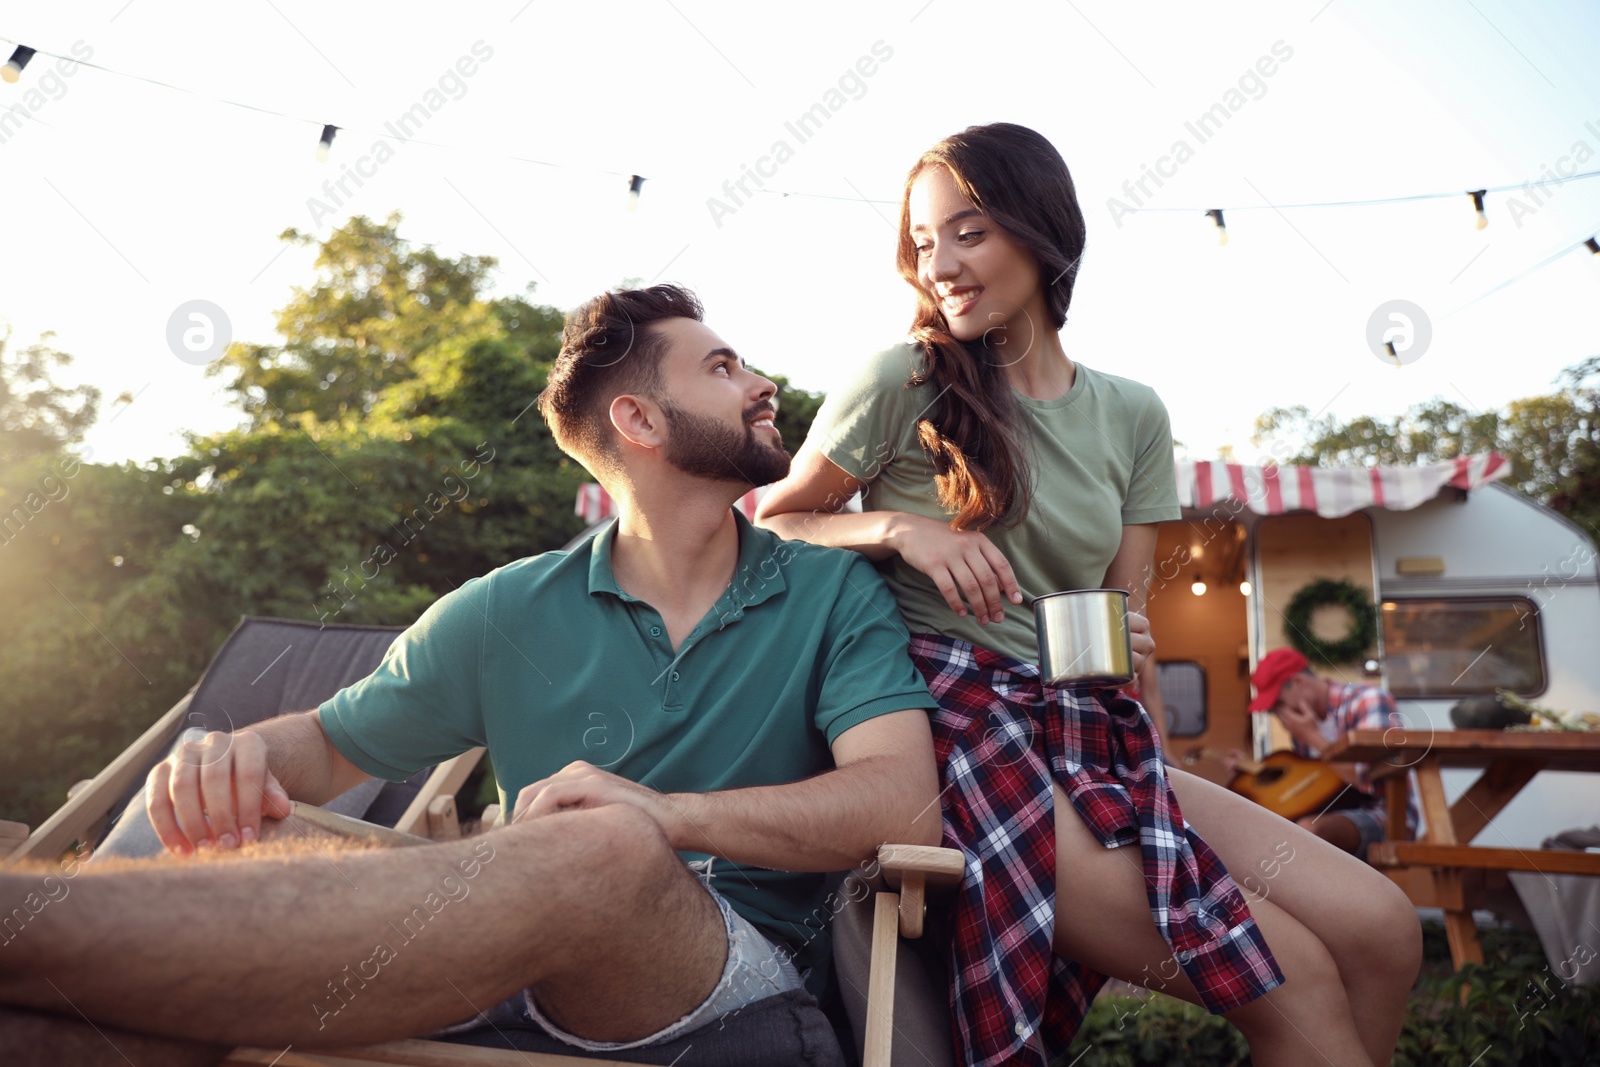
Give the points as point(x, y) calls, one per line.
point(1301, 722)
point(213, 792)
point(583, 785)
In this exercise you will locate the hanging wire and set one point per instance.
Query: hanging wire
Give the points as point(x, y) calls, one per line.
point(1565, 250)
point(321, 123)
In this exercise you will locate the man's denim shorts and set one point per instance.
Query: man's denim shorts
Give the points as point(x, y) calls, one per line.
point(1371, 823)
point(755, 969)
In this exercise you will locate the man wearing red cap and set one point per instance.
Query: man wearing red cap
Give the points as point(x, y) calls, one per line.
point(1317, 712)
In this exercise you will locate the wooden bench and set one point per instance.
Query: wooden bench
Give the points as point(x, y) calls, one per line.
point(1444, 869)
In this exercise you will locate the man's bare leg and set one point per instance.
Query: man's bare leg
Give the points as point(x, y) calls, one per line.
point(323, 949)
point(31, 1038)
point(1333, 828)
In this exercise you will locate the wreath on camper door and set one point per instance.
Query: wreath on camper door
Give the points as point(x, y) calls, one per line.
point(1326, 592)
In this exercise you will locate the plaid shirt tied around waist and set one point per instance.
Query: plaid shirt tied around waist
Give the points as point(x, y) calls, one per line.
point(1001, 738)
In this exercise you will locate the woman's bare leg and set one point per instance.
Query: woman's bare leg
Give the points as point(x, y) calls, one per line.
point(1103, 921)
point(1366, 921)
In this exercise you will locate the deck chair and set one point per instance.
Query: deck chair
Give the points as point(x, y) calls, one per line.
point(268, 667)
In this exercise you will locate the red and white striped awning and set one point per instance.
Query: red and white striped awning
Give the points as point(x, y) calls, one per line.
point(1331, 492)
point(596, 505)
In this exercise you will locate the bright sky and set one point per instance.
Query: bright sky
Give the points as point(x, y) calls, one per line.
point(123, 200)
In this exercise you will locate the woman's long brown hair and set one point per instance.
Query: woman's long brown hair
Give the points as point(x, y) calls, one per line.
point(1021, 183)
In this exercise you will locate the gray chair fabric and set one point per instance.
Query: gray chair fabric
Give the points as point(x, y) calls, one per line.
point(268, 667)
point(922, 1036)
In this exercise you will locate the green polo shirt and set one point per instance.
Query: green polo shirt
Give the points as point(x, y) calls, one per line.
point(547, 661)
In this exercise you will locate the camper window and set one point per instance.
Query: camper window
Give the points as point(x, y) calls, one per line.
point(1449, 648)
point(1183, 692)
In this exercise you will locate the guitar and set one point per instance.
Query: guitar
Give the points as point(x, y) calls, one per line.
point(1283, 783)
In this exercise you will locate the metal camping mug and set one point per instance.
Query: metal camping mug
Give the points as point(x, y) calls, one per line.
point(1084, 642)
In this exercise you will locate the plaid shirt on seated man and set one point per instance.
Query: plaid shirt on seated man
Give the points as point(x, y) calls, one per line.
point(1317, 712)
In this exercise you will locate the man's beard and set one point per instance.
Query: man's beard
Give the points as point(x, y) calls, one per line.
point(706, 448)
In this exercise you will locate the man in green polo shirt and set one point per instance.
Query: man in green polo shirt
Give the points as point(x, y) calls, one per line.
point(679, 711)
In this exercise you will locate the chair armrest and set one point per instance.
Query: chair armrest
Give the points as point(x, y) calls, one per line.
point(918, 867)
point(941, 866)
point(445, 780)
point(345, 826)
point(89, 805)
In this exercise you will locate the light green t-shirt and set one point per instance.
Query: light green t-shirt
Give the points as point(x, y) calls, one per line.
point(1101, 458)
point(547, 661)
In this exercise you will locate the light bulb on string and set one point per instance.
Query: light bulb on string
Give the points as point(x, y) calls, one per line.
point(1477, 205)
point(1393, 354)
point(1215, 214)
point(14, 66)
point(635, 185)
point(1592, 245)
point(1198, 586)
point(325, 143)
point(1245, 587)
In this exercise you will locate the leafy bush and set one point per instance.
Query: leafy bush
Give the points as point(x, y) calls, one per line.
point(1514, 1009)
point(1132, 1031)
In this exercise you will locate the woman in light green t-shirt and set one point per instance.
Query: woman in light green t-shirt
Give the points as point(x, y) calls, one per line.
point(992, 465)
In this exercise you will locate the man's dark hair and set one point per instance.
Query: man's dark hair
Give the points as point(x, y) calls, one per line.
point(609, 348)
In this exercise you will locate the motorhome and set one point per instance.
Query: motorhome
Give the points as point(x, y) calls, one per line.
point(1475, 588)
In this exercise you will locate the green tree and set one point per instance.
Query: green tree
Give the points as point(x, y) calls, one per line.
point(797, 408)
point(390, 453)
point(94, 642)
point(1577, 488)
point(37, 416)
point(1552, 441)
point(392, 437)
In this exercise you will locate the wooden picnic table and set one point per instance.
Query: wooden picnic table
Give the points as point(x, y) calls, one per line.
point(1444, 869)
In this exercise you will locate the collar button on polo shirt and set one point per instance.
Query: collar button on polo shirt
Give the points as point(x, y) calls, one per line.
point(546, 660)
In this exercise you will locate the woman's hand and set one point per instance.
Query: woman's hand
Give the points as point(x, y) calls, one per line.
point(1144, 646)
point(965, 565)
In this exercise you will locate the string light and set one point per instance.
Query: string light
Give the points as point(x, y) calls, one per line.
point(1592, 245)
point(325, 145)
point(1244, 587)
point(1198, 586)
point(1477, 205)
point(1215, 214)
point(12, 70)
point(635, 183)
point(14, 66)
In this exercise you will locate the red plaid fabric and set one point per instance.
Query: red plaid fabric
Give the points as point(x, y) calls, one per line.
point(1000, 737)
